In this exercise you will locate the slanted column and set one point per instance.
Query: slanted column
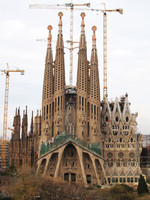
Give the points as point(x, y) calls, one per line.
point(39, 163)
point(80, 155)
point(47, 162)
point(102, 166)
point(95, 170)
point(60, 153)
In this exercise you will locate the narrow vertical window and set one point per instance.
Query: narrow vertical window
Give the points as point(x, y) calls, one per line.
point(44, 112)
point(53, 109)
point(88, 126)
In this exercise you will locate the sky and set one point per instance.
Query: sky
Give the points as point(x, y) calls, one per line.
point(128, 52)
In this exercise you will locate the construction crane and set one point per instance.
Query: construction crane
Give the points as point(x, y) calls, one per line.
point(120, 10)
point(64, 6)
point(7, 72)
point(105, 88)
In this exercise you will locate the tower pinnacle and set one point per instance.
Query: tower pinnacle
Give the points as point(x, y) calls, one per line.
point(82, 22)
point(49, 35)
point(94, 28)
point(60, 38)
point(60, 14)
point(82, 38)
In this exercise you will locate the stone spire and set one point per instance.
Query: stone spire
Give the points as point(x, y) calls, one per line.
point(82, 85)
point(59, 83)
point(82, 37)
point(94, 95)
point(82, 76)
point(16, 124)
point(48, 86)
point(94, 50)
point(49, 56)
point(94, 73)
point(59, 68)
point(24, 124)
point(60, 37)
point(31, 126)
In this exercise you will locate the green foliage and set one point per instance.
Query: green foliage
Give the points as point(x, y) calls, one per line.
point(142, 186)
point(121, 192)
point(9, 172)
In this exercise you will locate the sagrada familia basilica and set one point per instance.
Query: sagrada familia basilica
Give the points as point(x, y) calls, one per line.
point(77, 137)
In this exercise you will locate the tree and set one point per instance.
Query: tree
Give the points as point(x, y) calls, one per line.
point(51, 189)
point(142, 186)
point(25, 185)
point(121, 192)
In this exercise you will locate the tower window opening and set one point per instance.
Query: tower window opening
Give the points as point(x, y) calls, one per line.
point(82, 101)
point(44, 112)
point(73, 177)
point(88, 129)
point(58, 101)
point(79, 100)
point(47, 109)
point(55, 104)
point(116, 119)
point(92, 108)
point(61, 103)
point(50, 110)
point(52, 129)
point(106, 119)
point(53, 109)
point(88, 109)
point(88, 178)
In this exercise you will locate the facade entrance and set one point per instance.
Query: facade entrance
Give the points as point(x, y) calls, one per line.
point(70, 177)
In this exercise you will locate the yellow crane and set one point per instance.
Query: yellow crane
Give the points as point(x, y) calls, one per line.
point(7, 72)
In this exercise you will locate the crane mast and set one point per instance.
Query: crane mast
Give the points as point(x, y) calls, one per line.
point(4, 140)
point(120, 10)
point(105, 92)
point(71, 45)
point(3, 158)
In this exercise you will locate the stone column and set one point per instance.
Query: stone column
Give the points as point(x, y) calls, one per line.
point(60, 153)
point(93, 162)
point(47, 162)
point(102, 162)
point(80, 154)
point(39, 163)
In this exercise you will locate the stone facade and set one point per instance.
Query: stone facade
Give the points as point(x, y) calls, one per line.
point(122, 146)
point(23, 149)
point(77, 138)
